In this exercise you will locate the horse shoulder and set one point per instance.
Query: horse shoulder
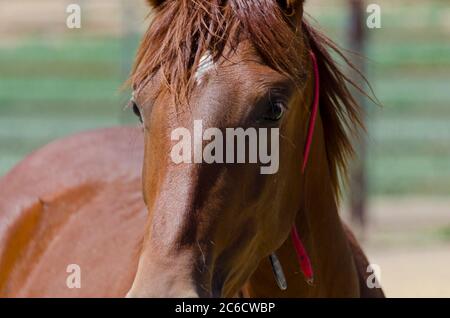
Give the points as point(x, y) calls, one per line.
point(75, 201)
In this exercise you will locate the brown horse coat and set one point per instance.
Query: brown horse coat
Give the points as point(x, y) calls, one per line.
point(78, 201)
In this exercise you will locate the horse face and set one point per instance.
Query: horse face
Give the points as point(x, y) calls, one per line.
point(221, 177)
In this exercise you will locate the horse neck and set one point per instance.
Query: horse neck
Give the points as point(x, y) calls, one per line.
point(322, 233)
point(321, 229)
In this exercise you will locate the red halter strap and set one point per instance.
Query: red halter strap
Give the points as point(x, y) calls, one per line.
point(315, 110)
point(302, 254)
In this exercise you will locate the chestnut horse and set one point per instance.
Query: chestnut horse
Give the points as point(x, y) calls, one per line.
point(205, 230)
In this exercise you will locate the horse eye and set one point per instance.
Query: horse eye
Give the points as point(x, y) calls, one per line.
point(136, 111)
point(276, 111)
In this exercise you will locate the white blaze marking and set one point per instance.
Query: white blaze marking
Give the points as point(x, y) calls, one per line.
point(205, 65)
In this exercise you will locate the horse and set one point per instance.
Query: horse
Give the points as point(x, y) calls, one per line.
point(138, 224)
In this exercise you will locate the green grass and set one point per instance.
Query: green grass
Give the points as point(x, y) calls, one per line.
point(79, 50)
point(52, 89)
point(49, 90)
point(444, 233)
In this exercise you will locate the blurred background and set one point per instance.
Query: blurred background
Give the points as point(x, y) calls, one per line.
point(56, 81)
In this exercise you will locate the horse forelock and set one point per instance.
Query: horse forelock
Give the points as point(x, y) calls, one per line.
point(183, 31)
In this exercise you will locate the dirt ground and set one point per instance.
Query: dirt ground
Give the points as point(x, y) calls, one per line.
point(23, 19)
point(414, 272)
point(409, 239)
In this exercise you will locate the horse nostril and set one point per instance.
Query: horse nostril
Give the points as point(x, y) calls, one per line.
point(217, 286)
point(216, 293)
point(215, 290)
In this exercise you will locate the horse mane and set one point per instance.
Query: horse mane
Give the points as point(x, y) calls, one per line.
point(340, 112)
point(183, 30)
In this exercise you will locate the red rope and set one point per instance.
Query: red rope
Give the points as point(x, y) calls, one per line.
point(315, 110)
point(302, 255)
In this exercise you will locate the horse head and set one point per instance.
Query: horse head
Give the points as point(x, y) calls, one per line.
point(205, 68)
